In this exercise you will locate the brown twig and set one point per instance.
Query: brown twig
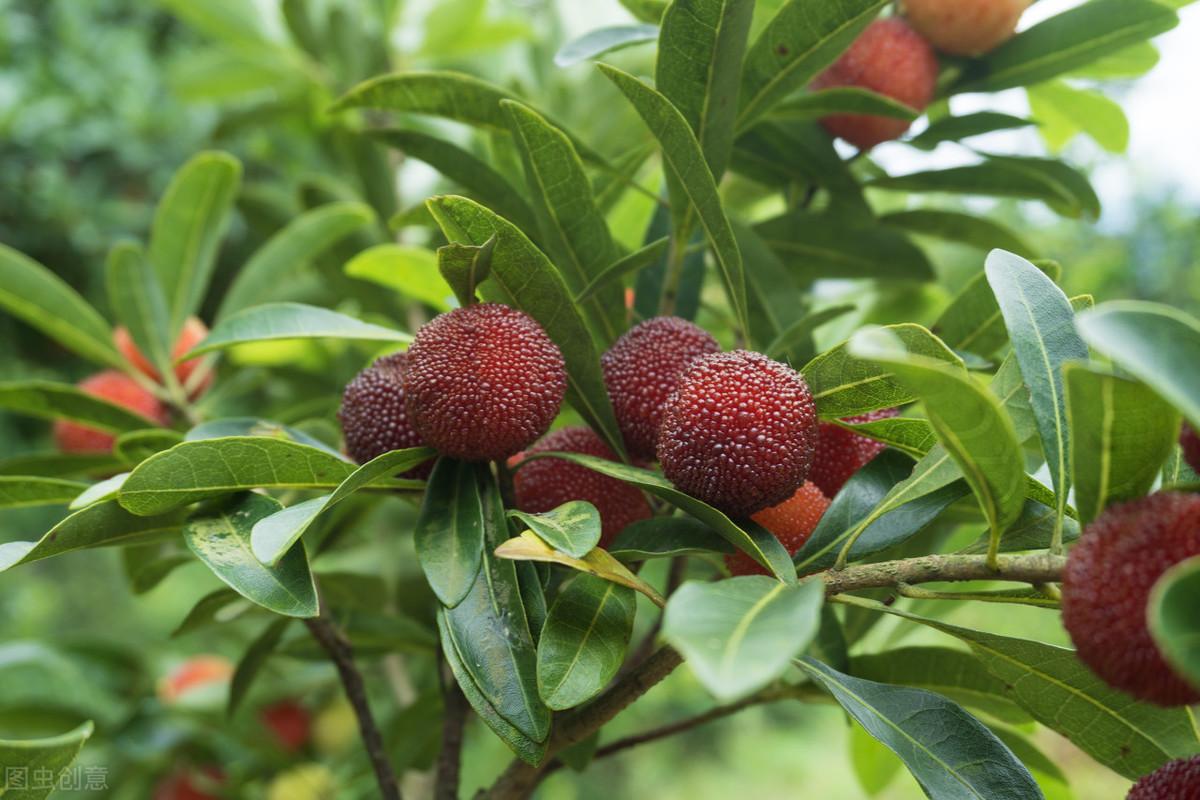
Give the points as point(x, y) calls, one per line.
point(454, 718)
point(1031, 569)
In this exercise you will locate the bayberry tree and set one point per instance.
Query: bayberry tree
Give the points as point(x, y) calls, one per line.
point(532, 401)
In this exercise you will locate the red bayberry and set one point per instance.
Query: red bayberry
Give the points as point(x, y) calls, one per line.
point(483, 382)
point(841, 453)
point(190, 784)
point(198, 672)
point(1107, 583)
point(116, 387)
point(289, 722)
point(641, 370)
point(965, 27)
point(1190, 442)
point(192, 334)
point(738, 432)
point(546, 483)
point(1175, 780)
point(792, 522)
point(888, 58)
point(374, 416)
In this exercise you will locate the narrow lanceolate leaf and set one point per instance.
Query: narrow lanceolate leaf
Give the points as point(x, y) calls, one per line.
point(1173, 619)
point(251, 663)
point(20, 491)
point(219, 535)
point(573, 527)
point(275, 321)
point(573, 230)
point(771, 290)
point(274, 535)
point(101, 490)
point(740, 634)
point(449, 532)
point(973, 322)
point(844, 100)
point(666, 537)
point(955, 226)
point(603, 40)
point(957, 128)
point(525, 277)
point(836, 246)
point(584, 640)
point(38, 297)
point(39, 764)
point(103, 524)
point(256, 426)
point(452, 95)
point(626, 265)
point(950, 753)
point(1065, 42)
point(407, 269)
point(700, 51)
point(798, 335)
point(1041, 325)
point(465, 266)
point(1152, 342)
point(801, 40)
point(598, 563)
point(685, 161)
point(302, 240)
point(138, 302)
point(1121, 434)
point(59, 401)
point(908, 435)
point(188, 225)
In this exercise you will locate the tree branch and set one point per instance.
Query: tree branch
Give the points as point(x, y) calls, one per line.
point(1032, 569)
point(449, 762)
point(331, 639)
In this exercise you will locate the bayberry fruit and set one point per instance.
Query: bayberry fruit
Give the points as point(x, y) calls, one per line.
point(641, 370)
point(190, 784)
point(841, 453)
point(546, 483)
point(1107, 584)
point(1175, 780)
point(192, 334)
point(289, 724)
point(115, 387)
point(792, 522)
point(1190, 442)
point(483, 382)
point(965, 27)
point(374, 416)
point(738, 432)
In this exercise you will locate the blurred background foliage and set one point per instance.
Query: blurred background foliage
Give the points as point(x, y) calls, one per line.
point(101, 101)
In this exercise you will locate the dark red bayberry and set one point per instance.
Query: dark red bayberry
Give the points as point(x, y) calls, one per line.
point(1175, 780)
point(115, 387)
point(374, 416)
point(642, 369)
point(792, 522)
point(1190, 442)
point(841, 453)
point(190, 784)
point(483, 382)
point(1107, 584)
point(289, 723)
point(738, 432)
point(546, 483)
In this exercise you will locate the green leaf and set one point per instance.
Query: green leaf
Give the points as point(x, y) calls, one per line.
point(407, 269)
point(1155, 343)
point(30, 769)
point(908, 435)
point(771, 290)
point(212, 609)
point(275, 321)
point(837, 246)
point(573, 230)
point(464, 267)
point(452, 95)
point(973, 322)
point(957, 128)
point(302, 240)
point(1033, 530)
point(1066, 42)
point(584, 640)
point(1041, 324)
point(799, 333)
point(1128, 62)
point(844, 385)
point(646, 10)
point(59, 401)
point(135, 447)
point(60, 464)
point(1063, 111)
point(137, 300)
point(1173, 622)
point(250, 665)
point(22, 491)
point(950, 753)
point(750, 539)
point(631, 264)
point(874, 765)
point(739, 635)
point(802, 39)
point(1121, 433)
point(573, 527)
point(780, 153)
point(667, 537)
point(685, 162)
point(449, 530)
point(103, 524)
point(845, 100)
point(371, 634)
point(220, 537)
point(955, 226)
point(529, 548)
point(188, 225)
point(600, 41)
point(38, 297)
point(256, 426)
point(274, 535)
point(526, 276)
point(102, 490)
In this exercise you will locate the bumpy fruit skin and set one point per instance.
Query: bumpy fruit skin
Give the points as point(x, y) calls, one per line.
point(374, 416)
point(116, 387)
point(1107, 583)
point(641, 370)
point(888, 58)
point(965, 27)
point(738, 432)
point(1190, 442)
point(289, 723)
point(190, 784)
point(192, 334)
point(792, 522)
point(483, 382)
point(1175, 780)
point(841, 453)
point(546, 483)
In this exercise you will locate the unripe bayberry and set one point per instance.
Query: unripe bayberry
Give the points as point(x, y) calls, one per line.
point(888, 58)
point(792, 522)
point(841, 453)
point(1107, 583)
point(546, 483)
point(1175, 780)
point(483, 382)
point(192, 333)
point(965, 27)
point(738, 432)
point(1190, 442)
point(374, 416)
point(115, 387)
point(641, 370)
